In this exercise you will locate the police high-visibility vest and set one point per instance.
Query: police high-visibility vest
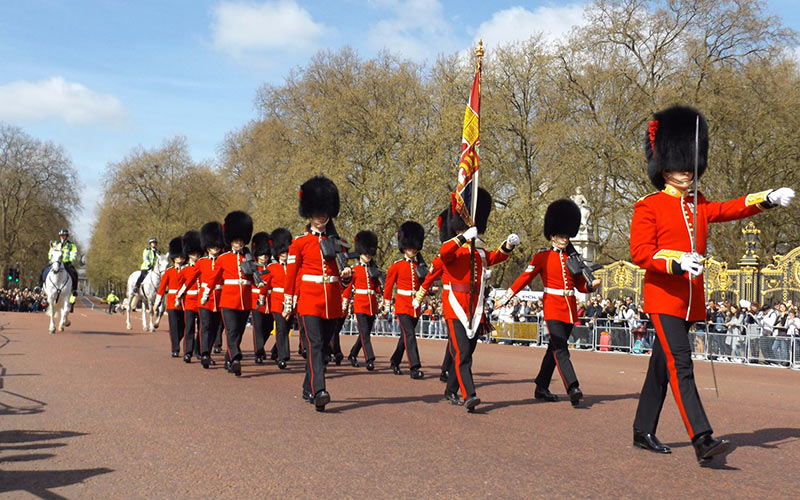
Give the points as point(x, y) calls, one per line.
point(149, 256)
point(69, 252)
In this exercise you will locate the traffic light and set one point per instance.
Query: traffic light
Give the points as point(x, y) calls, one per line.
point(16, 275)
point(10, 273)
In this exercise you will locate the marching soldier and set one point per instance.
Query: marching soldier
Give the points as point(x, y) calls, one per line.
point(236, 297)
point(668, 239)
point(275, 282)
point(404, 273)
point(187, 297)
point(150, 256)
point(464, 307)
point(262, 320)
point(561, 222)
point(434, 273)
point(314, 282)
point(169, 287)
point(364, 290)
point(210, 315)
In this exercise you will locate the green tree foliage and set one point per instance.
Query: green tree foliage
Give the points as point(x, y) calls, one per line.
point(38, 196)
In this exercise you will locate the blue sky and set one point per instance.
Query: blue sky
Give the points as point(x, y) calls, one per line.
point(102, 77)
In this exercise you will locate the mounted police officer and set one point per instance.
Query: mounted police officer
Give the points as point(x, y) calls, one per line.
point(69, 254)
point(149, 258)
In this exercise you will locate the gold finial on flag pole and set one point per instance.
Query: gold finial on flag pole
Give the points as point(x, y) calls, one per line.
point(479, 54)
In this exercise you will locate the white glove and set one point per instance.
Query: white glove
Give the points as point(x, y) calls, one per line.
point(781, 196)
point(512, 240)
point(415, 303)
point(471, 233)
point(691, 263)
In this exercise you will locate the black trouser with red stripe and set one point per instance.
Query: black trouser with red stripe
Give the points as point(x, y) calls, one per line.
point(301, 331)
point(218, 335)
point(262, 326)
point(557, 356)
point(281, 347)
point(189, 331)
point(671, 363)
point(461, 348)
point(210, 322)
point(364, 322)
point(235, 321)
point(407, 342)
point(176, 327)
point(318, 333)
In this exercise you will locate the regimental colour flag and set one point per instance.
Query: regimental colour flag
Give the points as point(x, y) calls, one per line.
point(466, 192)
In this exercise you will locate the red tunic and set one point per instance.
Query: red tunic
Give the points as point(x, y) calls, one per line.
point(559, 285)
point(189, 278)
point(312, 282)
point(274, 282)
point(169, 284)
point(456, 274)
point(366, 291)
point(661, 232)
point(207, 266)
point(402, 273)
point(236, 288)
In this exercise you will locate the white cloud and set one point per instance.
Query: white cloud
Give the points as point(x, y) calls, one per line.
point(417, 29)
point(519, 24)
point(241, 28)
point(55, 97)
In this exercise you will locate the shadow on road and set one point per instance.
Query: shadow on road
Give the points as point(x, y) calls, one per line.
point(38, 482)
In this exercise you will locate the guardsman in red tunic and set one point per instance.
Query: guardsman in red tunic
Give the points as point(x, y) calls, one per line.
point(236, 298)
point(210, 316)
point(188, 294)
point(364, 290)
point(169, 287)
point(561, 222)
point(314, 282)
point(262, 319)
point(407, 274)
point(465, 323)
point(275, 282)
point(662, 243)
point(435, 271)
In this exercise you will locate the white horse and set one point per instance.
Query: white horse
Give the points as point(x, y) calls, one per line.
point(57, 286)
point(146, 295)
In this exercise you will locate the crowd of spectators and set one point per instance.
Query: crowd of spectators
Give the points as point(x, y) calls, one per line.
point(22, 300)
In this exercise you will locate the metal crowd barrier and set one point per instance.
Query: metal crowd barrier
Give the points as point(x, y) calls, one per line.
point(608, 335)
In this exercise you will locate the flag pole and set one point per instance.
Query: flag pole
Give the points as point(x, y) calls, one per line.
point(474, 201)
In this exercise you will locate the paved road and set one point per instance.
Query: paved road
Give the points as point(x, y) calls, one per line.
point(101, 412)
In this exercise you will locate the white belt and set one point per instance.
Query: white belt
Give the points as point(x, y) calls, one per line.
point(364, 292)
point(406, 292)
point(217, 287)
point(237, 282)
point(172, 290)
point(315, 278)
point(279, 290)
point(191, 292)
point(558, 291)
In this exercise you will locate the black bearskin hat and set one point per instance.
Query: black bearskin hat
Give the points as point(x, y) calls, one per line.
point(366, 242)
point(484, 207)
point(669, 143)
point(562, 217)
point(237, 225)
point(261, 245)
point(176, 248)
point(441, 223)
point(211, 235)
point(319, 196)
point(281, 239)
point(410, 235)
point(191, 243)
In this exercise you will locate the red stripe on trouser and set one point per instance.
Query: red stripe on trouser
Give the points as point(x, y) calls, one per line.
point(227, 347)
point(559, 369)
point(457, 360)
point(308, 356)
point(361, 338)
point(405, 344)
point(673, 372)
point(200, 331)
